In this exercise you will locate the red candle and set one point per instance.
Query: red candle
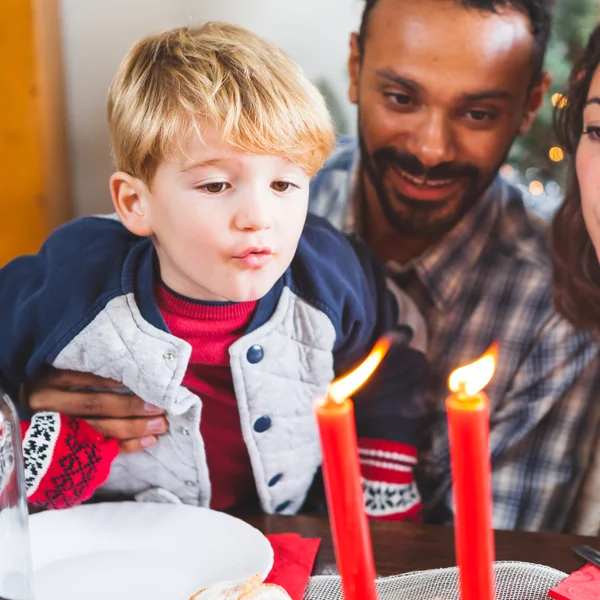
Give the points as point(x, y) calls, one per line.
point(343, 483)
point(469, 431)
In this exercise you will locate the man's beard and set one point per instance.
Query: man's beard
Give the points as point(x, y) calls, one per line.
point(421, 218)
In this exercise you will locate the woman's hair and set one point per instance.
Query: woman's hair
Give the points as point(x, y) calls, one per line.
point(576, 267)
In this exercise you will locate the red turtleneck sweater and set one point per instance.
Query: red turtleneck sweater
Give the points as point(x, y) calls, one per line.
point(211, 329)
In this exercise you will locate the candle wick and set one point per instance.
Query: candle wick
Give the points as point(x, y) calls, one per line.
point(331, 401)
point(462, 388)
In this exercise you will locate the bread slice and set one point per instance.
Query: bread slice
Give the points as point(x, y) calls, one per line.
point(251, 589)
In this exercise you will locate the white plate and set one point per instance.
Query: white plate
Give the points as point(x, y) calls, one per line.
point(141, 551)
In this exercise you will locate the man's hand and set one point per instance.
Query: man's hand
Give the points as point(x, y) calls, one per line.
point(125, 417)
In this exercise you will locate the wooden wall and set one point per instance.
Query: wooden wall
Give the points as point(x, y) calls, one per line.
point(33, 141)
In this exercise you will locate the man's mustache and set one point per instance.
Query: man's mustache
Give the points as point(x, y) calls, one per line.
point(393, 158)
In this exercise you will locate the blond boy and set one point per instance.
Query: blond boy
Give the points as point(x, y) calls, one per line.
point(218, 301)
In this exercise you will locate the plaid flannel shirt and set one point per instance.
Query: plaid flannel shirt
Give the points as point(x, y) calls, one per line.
point(489, 279)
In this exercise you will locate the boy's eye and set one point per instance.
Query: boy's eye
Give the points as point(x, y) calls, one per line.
point(281, 186)
point(215, 188)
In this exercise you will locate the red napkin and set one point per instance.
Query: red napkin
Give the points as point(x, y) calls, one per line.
point(580, 585)
point(293, 562)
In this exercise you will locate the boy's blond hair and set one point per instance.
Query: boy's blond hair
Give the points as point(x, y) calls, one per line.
point(170, 84)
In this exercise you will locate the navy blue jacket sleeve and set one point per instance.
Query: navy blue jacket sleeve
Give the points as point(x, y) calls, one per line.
point(391, 404)
point(349, 278)
point(25, 312)
point(39, 312)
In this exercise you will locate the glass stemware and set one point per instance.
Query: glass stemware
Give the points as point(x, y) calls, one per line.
point(16, 572)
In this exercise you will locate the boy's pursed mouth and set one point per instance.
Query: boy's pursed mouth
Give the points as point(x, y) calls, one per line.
point(254, 256)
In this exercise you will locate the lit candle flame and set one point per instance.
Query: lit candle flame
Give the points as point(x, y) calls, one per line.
point(471, 379)
point(345, 386)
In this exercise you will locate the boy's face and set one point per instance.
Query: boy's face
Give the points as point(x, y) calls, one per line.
point(225, 224)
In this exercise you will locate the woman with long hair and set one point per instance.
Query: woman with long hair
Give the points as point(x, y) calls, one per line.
point(576, 239)
point(576, 227)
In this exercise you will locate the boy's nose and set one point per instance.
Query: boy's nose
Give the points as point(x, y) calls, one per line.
point(253, 216)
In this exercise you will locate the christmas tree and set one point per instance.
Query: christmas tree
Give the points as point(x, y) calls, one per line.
point(536, 163)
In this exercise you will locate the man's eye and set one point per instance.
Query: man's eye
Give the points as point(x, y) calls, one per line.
point(401, 99)
point(481, 115)
point(281, 186)
point(214, 188)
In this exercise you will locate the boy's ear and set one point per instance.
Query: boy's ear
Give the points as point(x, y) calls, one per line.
point(128, 198)
point(535, 102)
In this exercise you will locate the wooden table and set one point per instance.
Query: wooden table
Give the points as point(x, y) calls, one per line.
point(402, 547)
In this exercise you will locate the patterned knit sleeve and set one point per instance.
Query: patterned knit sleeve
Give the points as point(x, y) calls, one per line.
point(389, 425)
point(390, 491)
point(390, 408)
point(65, 459)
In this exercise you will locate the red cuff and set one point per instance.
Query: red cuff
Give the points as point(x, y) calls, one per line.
point(389, 486)
point(66, 460)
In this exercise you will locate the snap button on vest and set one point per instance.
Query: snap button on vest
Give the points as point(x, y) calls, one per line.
point(255, 354)
point(275, 479)
point(283, 506)
point(262, 424)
